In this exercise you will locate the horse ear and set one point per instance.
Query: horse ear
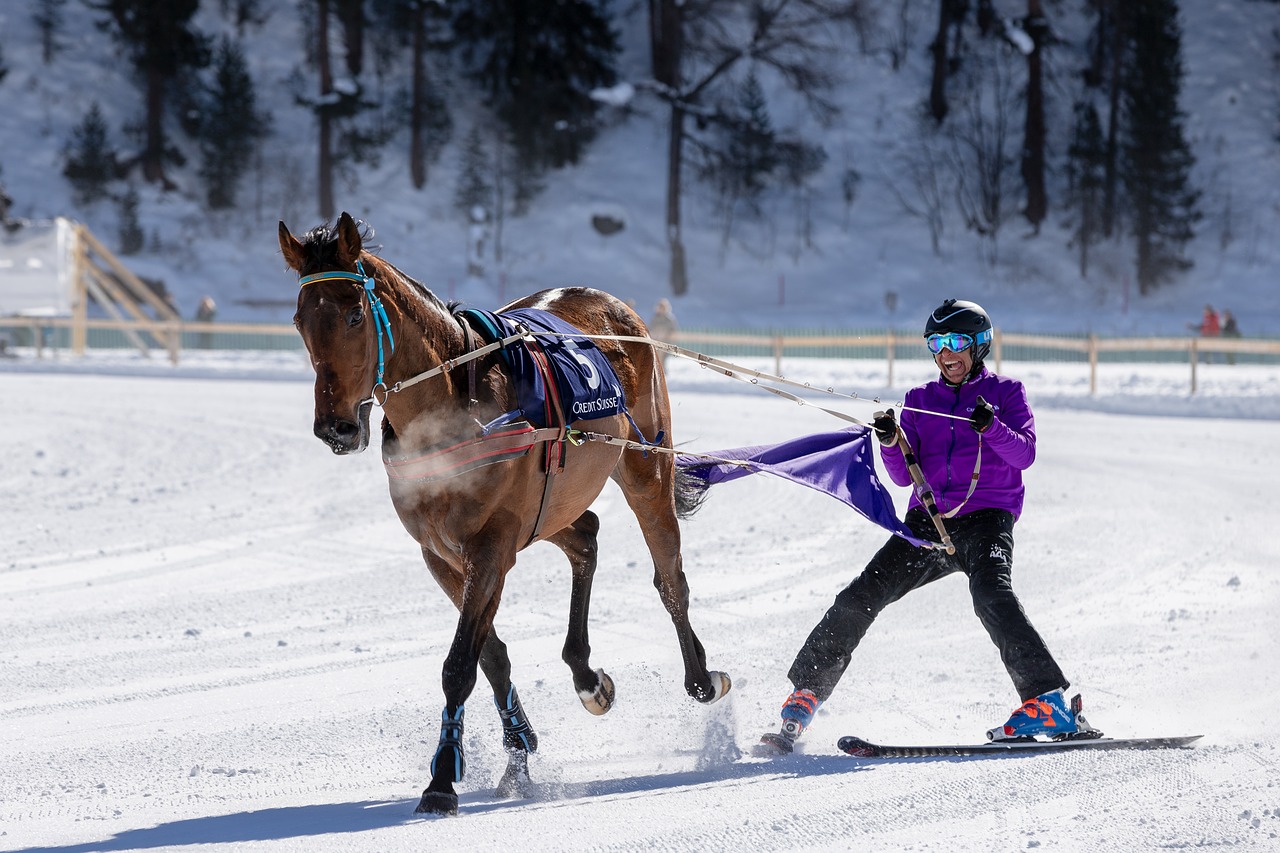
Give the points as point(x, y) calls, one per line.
point(290, 248)
point(349, 240)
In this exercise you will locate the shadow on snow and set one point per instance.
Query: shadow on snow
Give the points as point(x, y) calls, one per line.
point(338, 818)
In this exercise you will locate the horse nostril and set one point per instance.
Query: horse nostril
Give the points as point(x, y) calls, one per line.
point(338, 433)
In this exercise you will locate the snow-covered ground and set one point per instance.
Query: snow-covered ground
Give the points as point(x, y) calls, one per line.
point(214, 634)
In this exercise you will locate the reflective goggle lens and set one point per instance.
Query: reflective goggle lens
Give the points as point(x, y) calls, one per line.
point(953, 341)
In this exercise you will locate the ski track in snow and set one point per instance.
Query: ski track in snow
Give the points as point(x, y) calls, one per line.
point(215, 634)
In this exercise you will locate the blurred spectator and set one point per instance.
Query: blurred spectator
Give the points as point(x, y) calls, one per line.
point(477, 234)
point(1208, 328)
point(1230, 330)
point(663, 325)
point(205, 312)
point(6, 201)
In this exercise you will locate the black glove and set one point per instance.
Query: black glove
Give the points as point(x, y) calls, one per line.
point(983, 416)
point(886, 427)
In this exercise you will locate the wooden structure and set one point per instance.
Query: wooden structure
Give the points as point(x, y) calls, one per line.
point(97, 273)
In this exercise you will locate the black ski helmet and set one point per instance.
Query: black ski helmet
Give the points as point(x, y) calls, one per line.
point(968, 318)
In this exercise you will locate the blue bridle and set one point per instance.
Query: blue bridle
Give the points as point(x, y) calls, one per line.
point(381, 323)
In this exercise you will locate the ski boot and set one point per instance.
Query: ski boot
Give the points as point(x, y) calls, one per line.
point(1046, 717)
point(797, 714)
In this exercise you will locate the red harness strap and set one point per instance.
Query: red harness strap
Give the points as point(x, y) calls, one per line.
point(438, 463)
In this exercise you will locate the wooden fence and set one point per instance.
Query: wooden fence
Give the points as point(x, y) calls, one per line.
point(1089, 347)
point(172, 335)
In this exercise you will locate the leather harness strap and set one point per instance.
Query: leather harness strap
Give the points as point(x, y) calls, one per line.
point(553, 458)
point(468, 344)
point(450, 460)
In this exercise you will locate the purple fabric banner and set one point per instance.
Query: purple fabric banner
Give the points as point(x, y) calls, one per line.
point(837, 463)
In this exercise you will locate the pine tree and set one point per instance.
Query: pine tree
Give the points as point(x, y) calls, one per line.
point(48, 19)
point(474, 189)
point(419, 27)
point(161, 44)
point(244, 13)
point(751, 150)
point(1086, 176)
point(537, 63)
point(230, 126)
point(91, 163)
point(1156, 161)
point(132, 237)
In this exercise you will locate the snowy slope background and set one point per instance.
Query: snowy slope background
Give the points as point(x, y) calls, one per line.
point(860, 254)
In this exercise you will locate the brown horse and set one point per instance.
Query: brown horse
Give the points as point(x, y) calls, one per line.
point(372, 333)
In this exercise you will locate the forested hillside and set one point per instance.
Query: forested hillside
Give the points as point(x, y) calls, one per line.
point(1105, 165)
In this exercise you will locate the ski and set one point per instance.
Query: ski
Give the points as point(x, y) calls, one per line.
point(860, 748)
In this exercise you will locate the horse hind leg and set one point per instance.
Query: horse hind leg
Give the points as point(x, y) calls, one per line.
point(578, 542)
point(649, 484)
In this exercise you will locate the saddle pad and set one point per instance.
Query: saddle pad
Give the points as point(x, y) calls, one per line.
point(587, 385)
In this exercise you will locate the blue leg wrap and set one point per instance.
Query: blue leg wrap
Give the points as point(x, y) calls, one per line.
point(517, 734)
point(449, 754)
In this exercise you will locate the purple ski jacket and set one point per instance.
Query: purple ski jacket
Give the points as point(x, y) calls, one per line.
point(947, 448)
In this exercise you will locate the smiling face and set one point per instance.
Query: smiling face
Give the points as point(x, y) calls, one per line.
point(955, 366)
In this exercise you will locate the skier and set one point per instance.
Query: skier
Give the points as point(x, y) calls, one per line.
point(975, 469)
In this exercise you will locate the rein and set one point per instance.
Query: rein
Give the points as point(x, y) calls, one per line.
point(446, 462)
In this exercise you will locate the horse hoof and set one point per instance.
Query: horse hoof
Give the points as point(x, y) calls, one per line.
point(720, 685)
point(600, 700)
point(437, 802)
point(515, 782)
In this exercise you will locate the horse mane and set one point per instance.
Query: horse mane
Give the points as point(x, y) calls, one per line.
point(424, 291)
point(320, 246)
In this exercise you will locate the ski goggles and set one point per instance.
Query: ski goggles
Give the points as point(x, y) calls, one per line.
point(954, 341)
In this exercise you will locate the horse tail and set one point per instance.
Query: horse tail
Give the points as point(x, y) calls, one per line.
point(691, 490)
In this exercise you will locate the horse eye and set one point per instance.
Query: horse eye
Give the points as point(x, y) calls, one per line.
point(356, 316)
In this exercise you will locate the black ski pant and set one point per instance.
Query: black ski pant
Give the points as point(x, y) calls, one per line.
point(984, 552)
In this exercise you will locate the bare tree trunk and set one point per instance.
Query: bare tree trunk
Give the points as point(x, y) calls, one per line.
point(351, 14)
point(938, 82)
point(666, 44)
point(1033, 145)
point(153, 153)
point(324, 166)
point(1110, 176)
point(417, 109)
point(1096, 71)
point(679, 276)
point(499, 193)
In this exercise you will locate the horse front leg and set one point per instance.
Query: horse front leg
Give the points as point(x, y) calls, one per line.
point(518, 737)
point(481, 588)
point(649, 487)
point(578, 542)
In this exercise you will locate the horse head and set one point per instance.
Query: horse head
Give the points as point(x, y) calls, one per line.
point(341, 321)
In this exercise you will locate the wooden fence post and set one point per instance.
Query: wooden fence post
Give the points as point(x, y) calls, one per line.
point(80, 292)
point(889, 348)
point(1093, 364)
point(1194, 350)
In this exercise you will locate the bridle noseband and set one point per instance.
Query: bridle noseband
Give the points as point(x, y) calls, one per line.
point(381, 323)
